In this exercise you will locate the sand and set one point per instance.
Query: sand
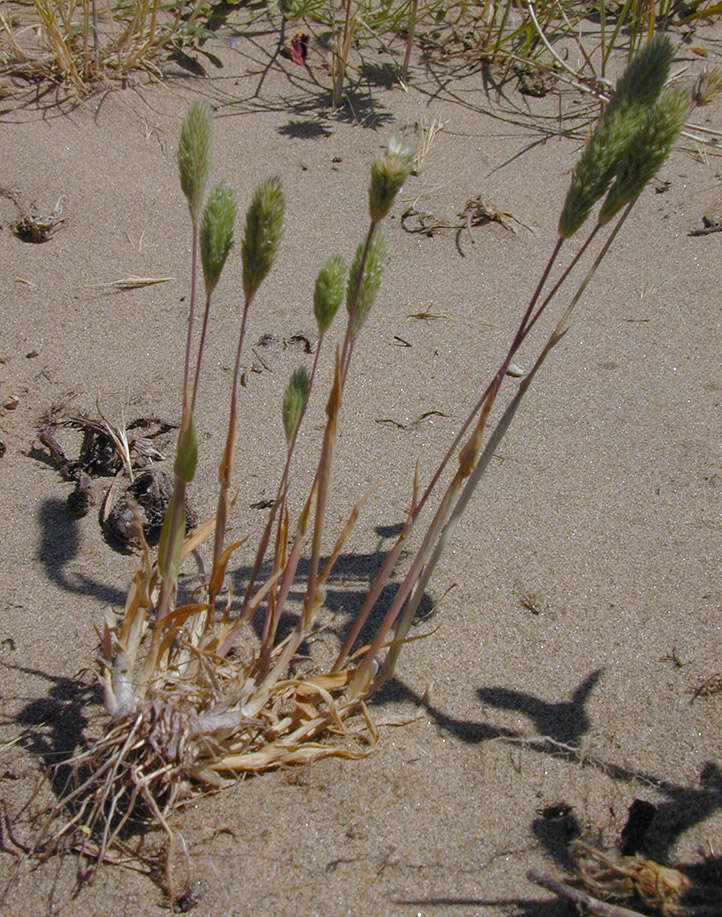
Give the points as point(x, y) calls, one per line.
point(579, 604)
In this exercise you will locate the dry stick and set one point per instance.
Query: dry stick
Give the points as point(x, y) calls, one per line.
point(580, 898)
point(280, 495)
point(199, 358)
point(409, 40)
point(572, 264)
point(320, 480)
point(363, 672)
point(278, 599)
point(191, 314)
point(324, 475)
point(466, 458)
point(201, 345)
point(376, 588)
point(288, 575)
point(416, 577)
point(340, 59)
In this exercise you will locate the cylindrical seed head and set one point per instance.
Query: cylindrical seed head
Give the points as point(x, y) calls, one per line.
point(637, 88)
point(216, 236)
point(389, 171)
point(328, 294)
point(293, 400)
point(262, 236)
point(598, 165)
point(646, 74)
point(370, 280)
point(647, 151)
point(194, 154)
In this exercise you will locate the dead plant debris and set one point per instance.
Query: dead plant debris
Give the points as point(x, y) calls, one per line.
point(31, 226)
point(611, 885)
point(709, 687)
point(141, 489)
point(475, 213)
point(414, 424)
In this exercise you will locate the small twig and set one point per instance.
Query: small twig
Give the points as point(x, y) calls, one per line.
point(580, 898)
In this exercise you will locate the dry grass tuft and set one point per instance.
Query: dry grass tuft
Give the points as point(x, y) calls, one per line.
point(185, 720)
point(84, 44)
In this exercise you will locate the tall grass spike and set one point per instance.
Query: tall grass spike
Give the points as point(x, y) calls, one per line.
point(642, 81)
point(373, 270)
point(328, 293)
point(262, 236)
point(648, 150)
point(637, 88)
point(194, 154)
point(388, 174)
point(293, 400)
point(216, 236)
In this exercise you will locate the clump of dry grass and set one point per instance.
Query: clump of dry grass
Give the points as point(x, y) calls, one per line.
point(193, 697)
point(82, 43)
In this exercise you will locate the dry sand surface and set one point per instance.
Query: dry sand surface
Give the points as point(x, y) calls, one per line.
point(579, 606)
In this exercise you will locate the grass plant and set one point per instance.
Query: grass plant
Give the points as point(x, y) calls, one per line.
point(193, 696)
point(80, 42)
point(463, 36)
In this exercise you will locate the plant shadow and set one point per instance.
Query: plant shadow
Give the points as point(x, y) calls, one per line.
point(346, 591)
point(60, 542)
point(54, 725)
point(560, 728)
point(315, 114)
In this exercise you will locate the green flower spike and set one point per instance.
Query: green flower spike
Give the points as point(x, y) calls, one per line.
point(293, 400)
point(637, 88)
point(262, 236)
point(646, 74)
point(370, 280)
point(328, 294)
point(217, 232)
point(194, 154)
point(598, 165)
point(647, 152)
point(388, 174)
